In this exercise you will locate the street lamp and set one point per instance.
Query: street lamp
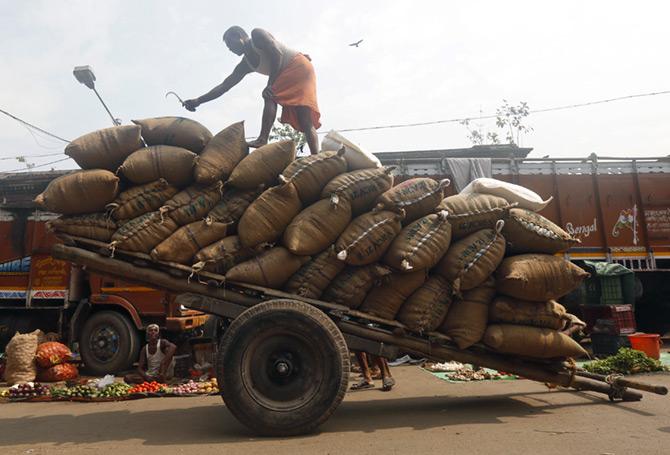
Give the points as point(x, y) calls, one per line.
point(84, 74)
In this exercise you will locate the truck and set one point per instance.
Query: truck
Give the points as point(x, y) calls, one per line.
point(101, 316)
point(619, 208)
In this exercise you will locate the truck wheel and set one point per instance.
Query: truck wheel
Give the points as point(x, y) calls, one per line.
point(284, 368)
point(109, 343)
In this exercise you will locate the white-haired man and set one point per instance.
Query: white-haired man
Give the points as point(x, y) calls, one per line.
point(156, 359)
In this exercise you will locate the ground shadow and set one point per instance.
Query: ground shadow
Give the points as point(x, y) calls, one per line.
point(210, 422)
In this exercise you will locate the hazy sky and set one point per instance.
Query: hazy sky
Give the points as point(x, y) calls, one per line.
point(419, 61)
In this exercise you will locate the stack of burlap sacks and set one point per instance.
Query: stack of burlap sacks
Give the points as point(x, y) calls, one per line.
point(330, 226)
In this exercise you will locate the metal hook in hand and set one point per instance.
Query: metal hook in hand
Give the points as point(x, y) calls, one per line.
point(177, 96)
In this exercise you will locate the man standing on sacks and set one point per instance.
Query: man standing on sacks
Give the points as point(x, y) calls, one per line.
point(291, 83)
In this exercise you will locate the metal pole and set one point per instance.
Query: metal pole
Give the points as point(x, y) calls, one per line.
point(115, 121)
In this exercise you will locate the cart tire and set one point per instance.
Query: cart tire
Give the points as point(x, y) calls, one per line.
point(284, 368)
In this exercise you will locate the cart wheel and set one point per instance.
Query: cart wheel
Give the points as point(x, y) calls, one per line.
point(284, 368)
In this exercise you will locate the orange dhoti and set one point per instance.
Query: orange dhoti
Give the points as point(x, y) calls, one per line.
point(296, 86)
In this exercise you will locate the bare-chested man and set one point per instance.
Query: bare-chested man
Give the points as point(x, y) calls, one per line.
point(291, 83)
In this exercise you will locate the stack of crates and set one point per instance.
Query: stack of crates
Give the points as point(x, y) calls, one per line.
point(609, 312)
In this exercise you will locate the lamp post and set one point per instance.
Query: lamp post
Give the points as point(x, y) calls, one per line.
point(84, 74)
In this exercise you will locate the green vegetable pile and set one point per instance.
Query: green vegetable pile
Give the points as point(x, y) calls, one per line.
point(626, 361)
point(115, 390)
point(82, 391)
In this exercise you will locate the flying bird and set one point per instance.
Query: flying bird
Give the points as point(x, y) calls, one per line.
point(356, 43)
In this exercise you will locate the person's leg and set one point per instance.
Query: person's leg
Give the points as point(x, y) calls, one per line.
point(133, 378)
point(387, 379)
point(307, 127)
point(269, 116)
point(366, 381)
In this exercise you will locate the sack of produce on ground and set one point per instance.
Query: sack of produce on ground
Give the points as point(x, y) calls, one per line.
point(418, 197)
point(263, 165)
point(471, 260)
point(356, 157)
point(538, 277)
point(315, 276)
point(222, 153)
point(427, 307)
point(97, 226)
point(361, 187)
point(469, 213)
point(232, 205)
point(142, 199)
point(467, 317)
point(177, 131)
point(317, 227)
point(186, 241)
point(57, 373)
point(368, 236)
point(311, 173)
point(271, 268)
point(193, 203)
point(106, 148)
point(79, 193)
point(421, 244)
point(52, 353)
point(143, 233)
point(174, 164)
point(506, 310)
point(221, 256)
point(537, 342)
point(350, 286)
point(385, 300)
point(518, 194)
point(267, 217)
point(528, 232)
point(20, 353)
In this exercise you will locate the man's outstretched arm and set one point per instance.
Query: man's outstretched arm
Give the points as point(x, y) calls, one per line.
point(241, 70)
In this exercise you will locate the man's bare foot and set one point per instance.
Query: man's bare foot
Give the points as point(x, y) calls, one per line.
point(258, 143)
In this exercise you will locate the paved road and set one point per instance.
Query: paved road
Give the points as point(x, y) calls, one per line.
point(423, 415)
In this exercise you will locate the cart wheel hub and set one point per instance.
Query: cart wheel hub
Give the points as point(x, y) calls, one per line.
point(283, 367)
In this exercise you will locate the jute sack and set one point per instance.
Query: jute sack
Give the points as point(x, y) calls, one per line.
point(186, 241)
point(222, 153)
point(311, 173)
point(192, 203)
point(97, 226)
point(141, 199)
point(148, 164)
point(418, 197)
point(367, 237)
point(143, 233)
point(427, 307)
point(271, 269)
point(317, 227)
point(221, 256)
point(421, 244)
point(468, 315)
point(80, 192)
point(528, 341)
point(267, 217)
point(106, 148)
point(361, 188)
point(469, 213)
point(550, 314)
point(471, 260)
point(538, 277)
point(514, 194)
point(528, 232)
point(350, 286)
point(176, 131)
point(20, 352)
point(385, 301)
point(315, 276)
point(232, 205)
point(356, 157)
point(263, 166)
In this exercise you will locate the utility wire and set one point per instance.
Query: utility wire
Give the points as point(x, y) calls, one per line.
point(36, 166)
point(37, 128)
point(5, 158)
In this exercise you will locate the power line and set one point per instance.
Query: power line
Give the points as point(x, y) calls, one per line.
point(37, 128)
point(4, 158)
point(38, 165)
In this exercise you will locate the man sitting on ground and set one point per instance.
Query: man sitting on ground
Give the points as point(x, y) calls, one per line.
point(156, 359)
